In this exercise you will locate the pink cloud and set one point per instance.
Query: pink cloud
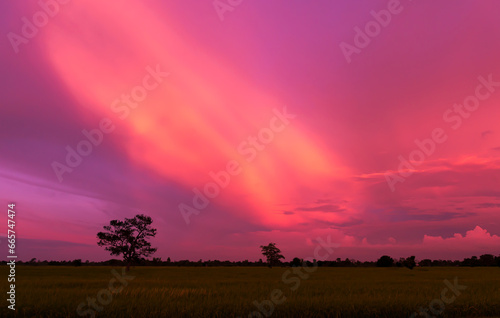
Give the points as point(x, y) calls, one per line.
point(476, 241)
point(322, 175)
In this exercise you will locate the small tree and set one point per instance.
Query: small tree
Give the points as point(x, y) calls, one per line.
point(487, 260)
point(272, 253)
point(410, 262)
point(385, 261)
point(128, 238)
point(296, 262)
point(77, 262)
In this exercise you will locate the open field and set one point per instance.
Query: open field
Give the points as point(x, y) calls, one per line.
point(231, 291)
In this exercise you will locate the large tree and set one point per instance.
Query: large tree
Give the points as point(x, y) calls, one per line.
point(272, 253)
point(128, 238)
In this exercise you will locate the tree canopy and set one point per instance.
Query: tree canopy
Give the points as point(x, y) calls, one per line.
point(128, 238)
point(272, 253)
point(385, 261)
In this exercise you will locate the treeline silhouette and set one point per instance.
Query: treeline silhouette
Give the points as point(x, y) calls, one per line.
point(384, 261)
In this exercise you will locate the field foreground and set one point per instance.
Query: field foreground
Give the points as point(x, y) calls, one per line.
point(253, 292)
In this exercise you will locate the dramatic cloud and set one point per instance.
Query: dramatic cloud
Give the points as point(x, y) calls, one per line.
point(256, 125)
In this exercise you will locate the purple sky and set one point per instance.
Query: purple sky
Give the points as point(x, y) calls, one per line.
point(184, 91)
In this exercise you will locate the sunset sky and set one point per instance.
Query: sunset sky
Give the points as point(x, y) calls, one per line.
point(186, 89)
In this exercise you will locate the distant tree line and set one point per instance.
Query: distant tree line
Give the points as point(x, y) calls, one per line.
point(130, 239)
point(384, 261)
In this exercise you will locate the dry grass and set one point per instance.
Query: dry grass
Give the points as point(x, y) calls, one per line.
point(230, 292)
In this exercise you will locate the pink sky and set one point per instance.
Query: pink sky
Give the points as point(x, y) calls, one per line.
point(212, 84)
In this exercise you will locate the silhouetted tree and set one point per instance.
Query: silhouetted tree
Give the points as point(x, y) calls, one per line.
point(128, 238)
point(296, 262)
point(410, 262)
point(400, 263)
point(272, 253)
point(157, 261)
point(487, 260)
point(475, 261)
point(385, 261)
point(347, 263)
point(425, 262)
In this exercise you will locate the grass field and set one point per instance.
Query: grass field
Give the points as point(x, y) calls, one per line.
point(231, 291)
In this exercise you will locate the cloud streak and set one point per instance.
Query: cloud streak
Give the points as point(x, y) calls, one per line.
point(323, 175)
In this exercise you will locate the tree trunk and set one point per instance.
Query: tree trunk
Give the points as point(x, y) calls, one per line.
point(128, 266)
